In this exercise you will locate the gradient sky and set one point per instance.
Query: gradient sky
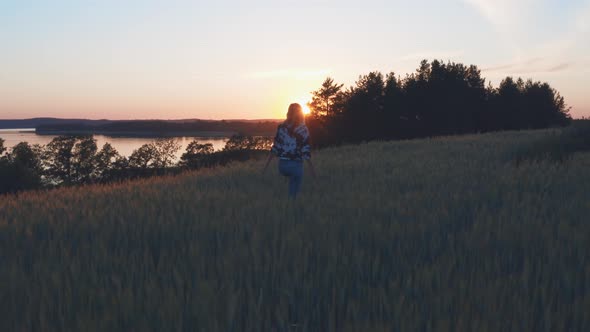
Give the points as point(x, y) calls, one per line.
point(250, 59)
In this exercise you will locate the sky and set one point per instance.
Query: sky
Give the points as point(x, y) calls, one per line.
point(228, 59)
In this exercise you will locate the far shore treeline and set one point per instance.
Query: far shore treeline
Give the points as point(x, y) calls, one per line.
point(438, 99)
point(204, 128)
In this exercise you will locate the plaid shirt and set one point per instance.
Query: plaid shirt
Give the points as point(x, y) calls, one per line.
point(294, 145)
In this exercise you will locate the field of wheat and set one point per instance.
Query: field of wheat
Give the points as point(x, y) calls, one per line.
point(446, 234)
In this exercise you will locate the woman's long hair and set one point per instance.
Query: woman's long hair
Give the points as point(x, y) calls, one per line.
point(295, 116)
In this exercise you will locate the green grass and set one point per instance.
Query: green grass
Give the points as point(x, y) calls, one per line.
point(445, 234)
point(557, 145)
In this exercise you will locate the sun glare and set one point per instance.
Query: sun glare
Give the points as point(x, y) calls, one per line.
point(303, 104)
point(306, 109)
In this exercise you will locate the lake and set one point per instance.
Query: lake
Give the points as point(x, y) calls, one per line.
point(125, 145)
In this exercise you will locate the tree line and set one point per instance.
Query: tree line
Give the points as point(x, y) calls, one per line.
point(75, 160)
point(437, 99)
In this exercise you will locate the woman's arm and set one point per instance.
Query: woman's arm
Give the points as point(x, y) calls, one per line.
point(306, 149)
point(274, 150)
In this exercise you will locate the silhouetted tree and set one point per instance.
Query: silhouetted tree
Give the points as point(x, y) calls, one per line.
point(476, 100)
point(143, 157)
point(240, 142)
point(509, 104)
point(417, 100)
point(28, 156)
point(165, 152)
point(106, 161)
point(455, 94)
point(83, 159)
point(15, 178)
point(20, 169)
point(57, 159)
point(327, 100)
point(158, 154)
point(196, 148)
point(364, 108)
point(2, 147)
point(394, 112)
point(543, 105)
point(196, 155)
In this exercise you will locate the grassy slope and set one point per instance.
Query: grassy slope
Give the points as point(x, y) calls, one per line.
point(443, 234)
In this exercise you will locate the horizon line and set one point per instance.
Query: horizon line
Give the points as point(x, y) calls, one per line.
point(136, 119)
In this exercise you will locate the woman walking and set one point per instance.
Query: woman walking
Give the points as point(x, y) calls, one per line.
point(291, 146)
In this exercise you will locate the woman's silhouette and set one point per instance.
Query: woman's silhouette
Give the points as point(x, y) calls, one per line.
point(291, 146)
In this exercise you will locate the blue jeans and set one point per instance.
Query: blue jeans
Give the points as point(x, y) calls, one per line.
point(293, 169)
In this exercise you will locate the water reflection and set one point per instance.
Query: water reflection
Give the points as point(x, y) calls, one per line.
point(125, 145)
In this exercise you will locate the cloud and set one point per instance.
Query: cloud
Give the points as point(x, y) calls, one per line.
point(530, 66)
point(559, 67)
point(514, 20)
point(514, 65)
point(298, 74)
point(502, 13)
point(511, 19)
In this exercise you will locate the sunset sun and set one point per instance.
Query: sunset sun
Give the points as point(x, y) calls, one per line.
point(306, 109)
point(303, 103)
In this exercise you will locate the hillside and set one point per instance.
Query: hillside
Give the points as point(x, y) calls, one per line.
point(445, 234)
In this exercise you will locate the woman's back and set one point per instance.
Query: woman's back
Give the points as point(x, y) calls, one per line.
point(292, 142)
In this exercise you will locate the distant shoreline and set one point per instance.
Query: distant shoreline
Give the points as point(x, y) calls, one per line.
point(144, 128)
point(140, 134)
point(41, 122)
